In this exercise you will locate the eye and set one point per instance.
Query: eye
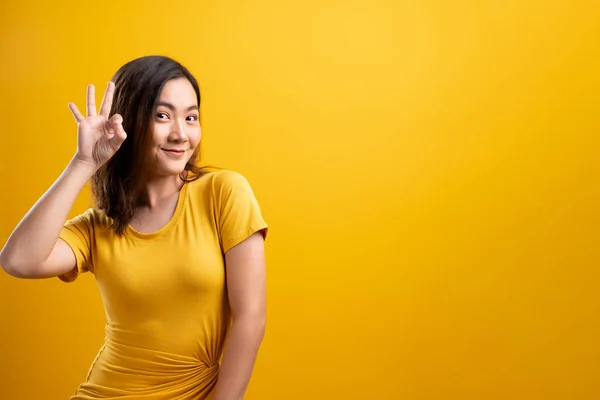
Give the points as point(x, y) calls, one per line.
point(192, 118)
point(162, 115)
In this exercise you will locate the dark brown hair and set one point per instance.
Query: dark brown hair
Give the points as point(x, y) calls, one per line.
point(118, 186)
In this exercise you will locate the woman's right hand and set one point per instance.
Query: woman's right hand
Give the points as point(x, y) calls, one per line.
point(98, 137)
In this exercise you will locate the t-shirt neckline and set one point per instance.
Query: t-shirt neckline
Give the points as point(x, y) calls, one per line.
point(181, 202)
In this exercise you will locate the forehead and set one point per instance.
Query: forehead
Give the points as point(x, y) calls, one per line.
point(178, 91)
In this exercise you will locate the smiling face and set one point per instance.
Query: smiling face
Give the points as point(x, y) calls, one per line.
point(175, 129)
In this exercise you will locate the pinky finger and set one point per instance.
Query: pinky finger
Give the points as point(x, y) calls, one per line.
point(76, 113)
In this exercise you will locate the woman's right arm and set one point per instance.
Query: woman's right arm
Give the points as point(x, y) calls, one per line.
point(34, 249)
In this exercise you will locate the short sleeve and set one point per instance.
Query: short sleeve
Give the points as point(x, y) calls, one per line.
point(238, 212)
point(77, 233)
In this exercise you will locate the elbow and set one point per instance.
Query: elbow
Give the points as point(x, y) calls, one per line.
point(261, 326)
point(253, 323)
point(12, 267)
point(7, 265)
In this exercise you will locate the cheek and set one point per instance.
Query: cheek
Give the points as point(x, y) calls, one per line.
point(159, 133)
point(195, 137)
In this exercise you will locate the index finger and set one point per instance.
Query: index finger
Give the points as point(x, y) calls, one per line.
point(107, 100)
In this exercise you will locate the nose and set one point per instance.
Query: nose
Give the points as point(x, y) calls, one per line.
point(178, 132)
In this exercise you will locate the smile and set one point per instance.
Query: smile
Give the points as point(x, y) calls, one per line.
point(174, 152)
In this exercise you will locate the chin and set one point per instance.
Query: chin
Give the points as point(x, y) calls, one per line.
point(175, 171)
point(169, 170)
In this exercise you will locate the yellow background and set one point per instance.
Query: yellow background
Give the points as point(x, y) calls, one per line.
point(428, 170)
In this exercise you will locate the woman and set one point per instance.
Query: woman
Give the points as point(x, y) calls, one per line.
point(177, 251)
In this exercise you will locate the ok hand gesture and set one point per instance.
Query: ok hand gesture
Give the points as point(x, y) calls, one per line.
point(98, 137)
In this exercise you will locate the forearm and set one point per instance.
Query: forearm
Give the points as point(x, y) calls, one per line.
point(35, 236)
point(241, 349)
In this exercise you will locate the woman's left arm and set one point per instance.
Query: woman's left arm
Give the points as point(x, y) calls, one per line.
point(246, 286)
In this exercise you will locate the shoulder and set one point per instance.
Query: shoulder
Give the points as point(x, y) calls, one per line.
point(228, 179)
point(223, 190)
point(221, 182)
point(92, 217)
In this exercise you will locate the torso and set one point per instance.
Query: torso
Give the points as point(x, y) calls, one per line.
point(165, 292)
point(165, 298)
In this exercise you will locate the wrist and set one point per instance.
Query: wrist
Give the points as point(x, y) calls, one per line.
point(84, 169)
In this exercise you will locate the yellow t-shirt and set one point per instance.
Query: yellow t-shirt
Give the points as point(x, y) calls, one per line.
point(164, 293)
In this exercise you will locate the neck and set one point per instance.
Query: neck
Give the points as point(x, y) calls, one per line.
point(161, 188)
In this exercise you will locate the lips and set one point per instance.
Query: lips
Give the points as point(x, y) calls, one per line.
point(174, 153)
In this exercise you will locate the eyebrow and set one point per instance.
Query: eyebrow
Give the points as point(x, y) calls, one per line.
point(172, 107)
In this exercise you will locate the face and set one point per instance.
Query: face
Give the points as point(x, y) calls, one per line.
point(175, 128)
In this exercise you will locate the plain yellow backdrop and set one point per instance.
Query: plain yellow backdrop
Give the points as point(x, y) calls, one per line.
point(428, 170)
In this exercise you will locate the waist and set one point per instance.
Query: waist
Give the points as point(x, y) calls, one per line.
point(166, 346)
point(141, 373)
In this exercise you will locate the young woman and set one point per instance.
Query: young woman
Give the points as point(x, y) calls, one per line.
point(177, 251)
